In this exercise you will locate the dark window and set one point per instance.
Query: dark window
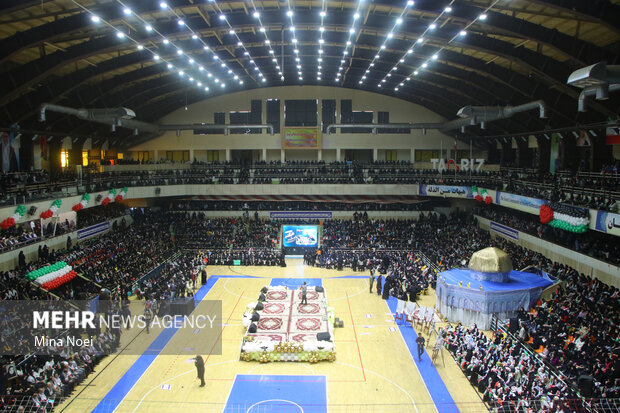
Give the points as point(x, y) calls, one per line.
point(384, 117)
point(359, 118)
point(300, 112)
point(239, 118)
point(346, 111)
point(256, 115)
point(273, 114)
point(219, 118)
point(328, 113)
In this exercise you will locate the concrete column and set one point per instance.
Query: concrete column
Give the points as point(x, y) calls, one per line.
point(282, 156)
point(375, 154)
point(319, 155)
point(337, 154)
point(191, 155)
point(156, 155)
point(412, 156)
point(227, 155)
point(264, 154)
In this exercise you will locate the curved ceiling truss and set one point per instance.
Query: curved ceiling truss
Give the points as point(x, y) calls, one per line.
point(155, 56)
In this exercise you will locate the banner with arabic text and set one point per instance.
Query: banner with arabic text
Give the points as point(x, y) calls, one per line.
point(446, 191)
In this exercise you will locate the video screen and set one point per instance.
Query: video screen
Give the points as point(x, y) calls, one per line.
point(299, 236)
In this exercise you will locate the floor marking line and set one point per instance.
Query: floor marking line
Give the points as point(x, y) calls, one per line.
point(223, 328)
point(355, 334)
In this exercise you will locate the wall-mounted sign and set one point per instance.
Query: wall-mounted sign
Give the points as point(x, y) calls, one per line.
point(300, 138)
point(464, 165)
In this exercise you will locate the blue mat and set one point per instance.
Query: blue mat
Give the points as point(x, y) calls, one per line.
point(294, 283)
point(277, 393)
point(435, 385)
point(517, 280)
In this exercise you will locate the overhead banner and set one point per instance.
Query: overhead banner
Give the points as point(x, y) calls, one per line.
point(519, 202)
point(93, 230)
point(608, 222)
point(507, 232)
point(300, 214)
point(446, 191)
point(300, 138)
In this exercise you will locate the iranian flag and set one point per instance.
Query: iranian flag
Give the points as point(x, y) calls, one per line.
point(52, 276)
point(612, 136)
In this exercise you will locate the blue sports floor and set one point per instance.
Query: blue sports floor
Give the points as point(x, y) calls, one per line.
point(281, 393)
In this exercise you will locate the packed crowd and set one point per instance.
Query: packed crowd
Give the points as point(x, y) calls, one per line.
point(509, 378)
point(195, 231)
point(598, 191)
point(303, 206)
point(576, 331)
point(602, 246)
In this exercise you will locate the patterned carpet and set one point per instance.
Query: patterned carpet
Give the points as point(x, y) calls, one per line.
point(284, 318)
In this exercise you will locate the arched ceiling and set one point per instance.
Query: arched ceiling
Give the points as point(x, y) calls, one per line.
point(443, 54)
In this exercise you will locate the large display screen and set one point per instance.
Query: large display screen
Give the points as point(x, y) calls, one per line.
point(299, 236)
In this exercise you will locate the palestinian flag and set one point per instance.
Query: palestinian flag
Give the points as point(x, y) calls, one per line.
point(52, 276)
point(567, 217)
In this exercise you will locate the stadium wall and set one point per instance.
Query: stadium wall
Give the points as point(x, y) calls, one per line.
point(203, 112)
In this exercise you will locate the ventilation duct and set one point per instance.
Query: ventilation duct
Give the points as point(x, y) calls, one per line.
point(469, 115)
point(123, 117)
point(595, 80)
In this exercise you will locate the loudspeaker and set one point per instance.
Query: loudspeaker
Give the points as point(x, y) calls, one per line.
point(323, 336)
point(259, 307)
point(513, 327)
point(252, 328)
point(32, 210)
point(319, 289)
point(157, 191)
point(586, 385)
point(182, 306)
point(255, 316)
point(99, 198)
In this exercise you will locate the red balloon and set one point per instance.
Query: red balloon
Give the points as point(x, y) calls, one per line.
point(488, 200)
point(546, 214)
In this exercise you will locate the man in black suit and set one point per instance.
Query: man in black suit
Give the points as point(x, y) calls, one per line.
point(200, 370)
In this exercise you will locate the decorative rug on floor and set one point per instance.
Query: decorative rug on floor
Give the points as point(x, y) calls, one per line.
point(308, 324)
point(272, 324)
point(274, 308)
point(278, 295)
point(287, 330)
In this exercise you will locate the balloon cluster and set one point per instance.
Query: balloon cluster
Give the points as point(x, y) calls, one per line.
point(85, 200)
point(566, 217)
point(122, 194)
point(57, 282)
point(52, 210)
point(109, 198)
point(17, 215)
point(546, 214)
point(476, 194)
point(52, 276)
point(487, 198)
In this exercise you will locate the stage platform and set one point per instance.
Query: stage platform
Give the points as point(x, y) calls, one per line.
point(287, 330)
point(463, 295)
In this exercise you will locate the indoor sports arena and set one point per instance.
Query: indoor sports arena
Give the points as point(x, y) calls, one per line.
point(310, 206)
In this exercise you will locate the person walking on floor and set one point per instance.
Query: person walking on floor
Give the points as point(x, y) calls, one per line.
point(420, 342)
point(200, 370)
point(379, 283)
point(304, 291)
point(372, 279)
